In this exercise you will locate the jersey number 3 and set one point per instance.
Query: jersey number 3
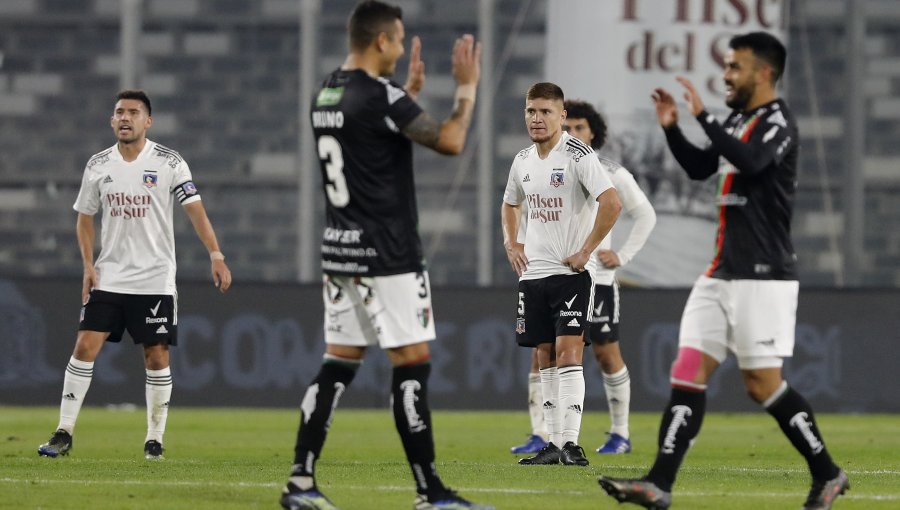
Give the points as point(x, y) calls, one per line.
point(336, 188)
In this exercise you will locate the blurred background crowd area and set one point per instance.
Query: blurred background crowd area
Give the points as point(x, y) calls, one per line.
point(224, 79)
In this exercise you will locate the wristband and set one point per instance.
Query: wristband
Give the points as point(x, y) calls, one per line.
point(216, 255)
point(466, 91)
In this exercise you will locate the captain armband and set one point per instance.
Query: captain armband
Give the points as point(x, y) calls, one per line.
point(186, 191)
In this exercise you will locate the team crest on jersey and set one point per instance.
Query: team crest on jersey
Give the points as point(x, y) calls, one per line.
point(520, 326)
point(424, 315)
point(556, 178)
point(149, 180)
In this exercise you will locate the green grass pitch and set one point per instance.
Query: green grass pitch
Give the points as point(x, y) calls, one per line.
point(239, 459)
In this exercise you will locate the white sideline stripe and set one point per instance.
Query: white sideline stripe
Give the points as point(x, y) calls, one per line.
point(406, 488)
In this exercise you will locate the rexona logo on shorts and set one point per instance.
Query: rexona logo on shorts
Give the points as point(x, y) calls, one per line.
point(156, 320)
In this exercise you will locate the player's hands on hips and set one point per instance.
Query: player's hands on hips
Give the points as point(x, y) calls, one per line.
point(695, 105)
point(466, 60)
point(515, 252)
point(609, 258)
point(88, 282)
point(577, 261)
point(666, 109)
point(221, 275)
point(415, 77)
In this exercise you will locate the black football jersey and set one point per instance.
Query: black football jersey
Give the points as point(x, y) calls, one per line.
point(371, 217)
point(754, 155)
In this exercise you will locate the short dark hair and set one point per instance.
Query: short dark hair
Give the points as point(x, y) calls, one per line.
point(369, 19)
point(764, 47)
point(577, 109)
point(140, 95)
point(545, 90)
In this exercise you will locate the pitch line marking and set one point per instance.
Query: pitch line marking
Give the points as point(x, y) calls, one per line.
point(406, 488)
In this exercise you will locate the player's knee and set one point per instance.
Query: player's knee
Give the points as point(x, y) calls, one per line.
point(756, 394)
point(688, 368)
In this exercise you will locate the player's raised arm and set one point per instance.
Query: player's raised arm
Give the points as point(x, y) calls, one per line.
point(449, 137)
point(415, 76)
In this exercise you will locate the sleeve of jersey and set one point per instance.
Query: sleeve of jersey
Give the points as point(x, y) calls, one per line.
point(186, 191)
point(401, 108)
point(644, 220)
point(514, 194)
point(629, 192)
point(592, 176)
point(88, 200)
point(754, 156)
point(697, 163)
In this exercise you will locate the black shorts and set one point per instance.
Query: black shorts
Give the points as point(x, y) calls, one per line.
point(554, 306)
point(604, 318)
point(149, 318)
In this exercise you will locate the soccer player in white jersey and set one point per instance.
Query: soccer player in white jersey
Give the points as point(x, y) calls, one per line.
point(131, 286)
point(585, 123)
point(561, 180)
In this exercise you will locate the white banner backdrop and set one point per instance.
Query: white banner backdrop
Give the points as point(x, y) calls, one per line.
point(613, 53)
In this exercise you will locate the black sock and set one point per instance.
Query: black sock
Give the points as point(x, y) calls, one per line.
point(680, 425)
point(316, 410)
point(795, 417)
point(412, 416)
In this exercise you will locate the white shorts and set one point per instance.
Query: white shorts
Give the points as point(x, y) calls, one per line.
point(755, 319)
point(391, 311)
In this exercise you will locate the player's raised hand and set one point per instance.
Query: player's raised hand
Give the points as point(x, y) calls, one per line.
point(666, 109)
point(415, 77)
point(466, 60)
point(695, 104)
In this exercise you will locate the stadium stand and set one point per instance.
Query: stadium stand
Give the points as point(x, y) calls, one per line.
point(223, 75)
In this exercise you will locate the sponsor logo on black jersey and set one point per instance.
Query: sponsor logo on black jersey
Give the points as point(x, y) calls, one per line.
point(329, 96)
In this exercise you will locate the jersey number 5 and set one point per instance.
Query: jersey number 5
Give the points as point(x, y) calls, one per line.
point(336, 188)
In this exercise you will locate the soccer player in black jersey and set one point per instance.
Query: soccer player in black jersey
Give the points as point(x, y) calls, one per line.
point(746, 301)
point(376, 288)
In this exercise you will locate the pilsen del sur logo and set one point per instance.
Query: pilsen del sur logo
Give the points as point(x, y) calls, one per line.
point(128, 206)
point(544, 209)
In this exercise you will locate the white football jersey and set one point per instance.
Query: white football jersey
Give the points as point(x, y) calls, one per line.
point(631, 196)
point(560, 193)
point(137, 242)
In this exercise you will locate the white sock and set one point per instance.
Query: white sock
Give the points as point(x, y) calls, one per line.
point(159, 391)
point(75, 386)
point(549, 403)
point(535, 407)
point(571, 401)
point(618, 396)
